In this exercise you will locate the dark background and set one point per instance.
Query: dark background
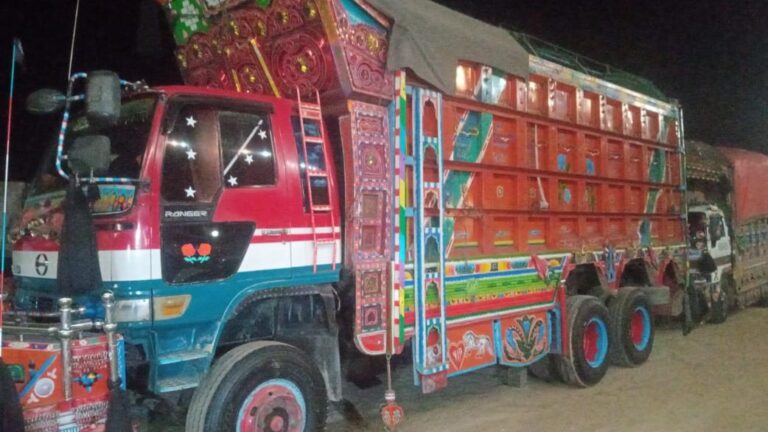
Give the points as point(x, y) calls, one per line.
point(711, 55)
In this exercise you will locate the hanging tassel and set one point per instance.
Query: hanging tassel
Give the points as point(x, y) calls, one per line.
point(78, 270)
point(392, 414)
point(11, 415)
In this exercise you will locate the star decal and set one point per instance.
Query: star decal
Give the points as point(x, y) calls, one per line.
point(191, 154)
point(232, 181)
point(190, 192)
point(249, 159)
point(191, 122)
point(263, 134)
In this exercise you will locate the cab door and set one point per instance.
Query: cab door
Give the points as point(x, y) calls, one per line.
point(222, 203)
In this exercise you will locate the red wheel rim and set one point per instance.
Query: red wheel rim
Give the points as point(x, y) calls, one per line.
point(590, 342)
point(595, 342)
point(274, 406)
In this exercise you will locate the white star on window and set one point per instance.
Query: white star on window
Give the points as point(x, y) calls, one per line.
point(232, 181)
point(191, 154)
point(190, 192)
point(249, 159)
point(191, 122)
point(263, 135)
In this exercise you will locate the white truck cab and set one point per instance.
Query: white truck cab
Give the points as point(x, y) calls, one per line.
point(710, 257)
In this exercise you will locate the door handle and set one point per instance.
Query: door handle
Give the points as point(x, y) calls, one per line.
point(274, 232)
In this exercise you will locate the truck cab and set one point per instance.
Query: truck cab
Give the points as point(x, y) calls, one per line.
point(218, 225)
point(710, 255)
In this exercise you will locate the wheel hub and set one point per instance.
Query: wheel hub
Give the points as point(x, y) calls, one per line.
point(274, 406)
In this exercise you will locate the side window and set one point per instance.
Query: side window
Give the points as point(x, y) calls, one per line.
point(191, 167)
point(247, 153)
point(716, 229)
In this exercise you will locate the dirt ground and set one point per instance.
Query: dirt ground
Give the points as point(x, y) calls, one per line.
point(715, 379)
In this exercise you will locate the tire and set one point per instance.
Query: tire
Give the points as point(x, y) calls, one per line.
point(260, 386)
point(545, 369)
point(632, 329)
point(718, 313)
point(763, 296)
point(588, 342)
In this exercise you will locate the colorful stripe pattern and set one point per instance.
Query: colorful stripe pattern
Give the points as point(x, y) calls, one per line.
point(430, 339)
point(471, 140)
point(397, 306)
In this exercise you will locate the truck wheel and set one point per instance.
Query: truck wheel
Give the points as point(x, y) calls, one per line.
point(719, 311)
point(588, 342)
point(260, 386)
point(632, 330)
point(545, 369)
point(763, 296)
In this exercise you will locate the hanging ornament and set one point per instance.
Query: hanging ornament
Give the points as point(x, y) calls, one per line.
point(392, 414)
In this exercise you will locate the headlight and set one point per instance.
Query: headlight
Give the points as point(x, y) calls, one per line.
point(132, 310)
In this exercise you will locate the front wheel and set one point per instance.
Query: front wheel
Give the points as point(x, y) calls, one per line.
point(260, 387)
point(588, 342)
point(632, 328)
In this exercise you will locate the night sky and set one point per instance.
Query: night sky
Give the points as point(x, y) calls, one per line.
point(711, 55)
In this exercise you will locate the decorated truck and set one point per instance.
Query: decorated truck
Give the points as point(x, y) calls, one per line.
point(388, 175)
point(728, 228)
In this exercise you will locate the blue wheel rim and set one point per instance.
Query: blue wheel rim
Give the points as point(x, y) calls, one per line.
point(640, 336)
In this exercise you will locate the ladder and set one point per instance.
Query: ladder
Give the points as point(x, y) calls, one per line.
point(431, 360)
point(313, 113)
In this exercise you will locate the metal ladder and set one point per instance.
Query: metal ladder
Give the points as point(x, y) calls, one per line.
point(314, 112)
point(431, 360)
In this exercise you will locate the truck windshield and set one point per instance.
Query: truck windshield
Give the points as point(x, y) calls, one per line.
point(697, 230)
point(128, 140)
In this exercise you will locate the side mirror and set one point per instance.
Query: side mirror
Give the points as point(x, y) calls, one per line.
point(45, 101)
point(102, 98)
point(90, 152)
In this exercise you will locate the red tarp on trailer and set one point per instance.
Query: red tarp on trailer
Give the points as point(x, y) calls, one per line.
point(750, 180)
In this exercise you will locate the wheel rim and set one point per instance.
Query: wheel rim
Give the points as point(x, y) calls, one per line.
point(595, 342)
point(640, 328)
point(274, 406)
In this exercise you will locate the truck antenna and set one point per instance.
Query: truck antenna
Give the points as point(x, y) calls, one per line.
point(74, 34)
point(17, 56)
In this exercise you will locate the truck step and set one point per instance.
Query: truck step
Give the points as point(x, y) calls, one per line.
point(176, 384)
point(182, 356)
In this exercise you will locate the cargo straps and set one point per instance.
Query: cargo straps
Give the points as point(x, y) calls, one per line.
point(319, 193)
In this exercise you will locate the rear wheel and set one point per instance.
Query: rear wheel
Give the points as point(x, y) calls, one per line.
point(719, 311)
point(632, 330)
point(763, 296)
point(260, 386)
point(545, 369)
point(588, 342)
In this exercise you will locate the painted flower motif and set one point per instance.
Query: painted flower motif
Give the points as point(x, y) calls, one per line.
point(188, 250)
point(196, 255)
point(204, 249)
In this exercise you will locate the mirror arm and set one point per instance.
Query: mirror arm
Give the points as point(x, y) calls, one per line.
point(65, 121)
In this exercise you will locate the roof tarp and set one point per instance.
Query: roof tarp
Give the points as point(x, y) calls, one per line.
point(750, 172)
point(431, 39)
